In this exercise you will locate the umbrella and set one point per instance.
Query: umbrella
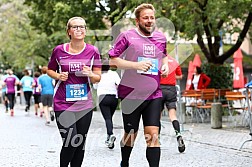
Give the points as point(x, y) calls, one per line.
point(190, 74)
point(238, 80)
point(196, 61)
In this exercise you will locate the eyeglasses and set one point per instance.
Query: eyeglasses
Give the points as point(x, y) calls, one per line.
point(75, 27)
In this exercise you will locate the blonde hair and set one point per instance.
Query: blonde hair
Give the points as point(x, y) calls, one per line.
point(141, 7)
point(9, 71)
point(68, 26)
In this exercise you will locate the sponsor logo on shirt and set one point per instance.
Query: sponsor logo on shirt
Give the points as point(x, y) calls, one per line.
point(75, 66)
point(149, 50)
point(63, 57)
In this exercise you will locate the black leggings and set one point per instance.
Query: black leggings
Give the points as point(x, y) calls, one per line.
point(73, 128)
point(108, 104)
point(11, 98)
point(27, 96)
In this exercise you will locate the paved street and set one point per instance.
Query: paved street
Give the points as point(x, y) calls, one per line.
point(26, 141)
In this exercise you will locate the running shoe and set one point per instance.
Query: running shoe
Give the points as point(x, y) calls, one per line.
point(181, 144)
point(47, 123)
point(12, 113)
point(107, 141)
point(111, 142)
point(36, 113)
point(124, 165)
point(26, 108)
point(52, 115)
point(41, 114)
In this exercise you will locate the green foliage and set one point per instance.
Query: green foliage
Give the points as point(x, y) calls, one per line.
point(221, 75)
point(22, 45)
point(32, 29)
point(208, 18)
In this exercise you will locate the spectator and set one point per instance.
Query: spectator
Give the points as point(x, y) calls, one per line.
point(199, 80)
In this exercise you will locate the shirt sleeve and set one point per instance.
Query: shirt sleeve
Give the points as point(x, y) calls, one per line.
point(120, 45)
point(97, 58)
point(53, 64)
point(178, 71)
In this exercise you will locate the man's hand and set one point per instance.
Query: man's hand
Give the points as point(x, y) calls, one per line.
point(164, 70)
point(144, 65)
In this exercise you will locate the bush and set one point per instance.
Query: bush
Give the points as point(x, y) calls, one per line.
point(221, 75)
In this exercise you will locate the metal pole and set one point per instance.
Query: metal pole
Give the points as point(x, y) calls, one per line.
point(178, 87)
point(248, 90)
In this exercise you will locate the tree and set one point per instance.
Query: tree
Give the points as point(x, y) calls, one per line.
point(19, 44)
point(50, 17)
point(191, 17)
point(209, 18)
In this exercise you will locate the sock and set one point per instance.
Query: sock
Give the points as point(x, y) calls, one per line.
point(153, 156)
point(125, 152)
point(176, 126)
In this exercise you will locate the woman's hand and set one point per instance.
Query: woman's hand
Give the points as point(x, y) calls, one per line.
point(63, 76)
point(87, 71)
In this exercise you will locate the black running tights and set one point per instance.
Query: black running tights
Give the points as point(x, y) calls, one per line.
point(73, 127)
point(108, 104)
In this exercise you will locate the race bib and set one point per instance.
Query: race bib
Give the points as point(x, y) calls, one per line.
point(153, 70)
point(76, 92)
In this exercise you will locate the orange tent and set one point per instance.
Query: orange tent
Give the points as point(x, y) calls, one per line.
point(190, 74)
point(238, 80)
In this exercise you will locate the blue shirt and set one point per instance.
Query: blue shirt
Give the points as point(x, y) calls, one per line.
point(27, 82)
point(46, 84)
point(3, 78)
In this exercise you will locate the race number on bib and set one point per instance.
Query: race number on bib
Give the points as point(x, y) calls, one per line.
point(153, 70)
point(76, 92)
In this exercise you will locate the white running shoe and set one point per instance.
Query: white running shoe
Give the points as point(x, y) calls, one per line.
point(111, 141)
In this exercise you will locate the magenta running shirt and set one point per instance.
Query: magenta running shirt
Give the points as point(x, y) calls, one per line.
point(74, 93)
point(10, 84)
point(133, 46)
point(36, 89)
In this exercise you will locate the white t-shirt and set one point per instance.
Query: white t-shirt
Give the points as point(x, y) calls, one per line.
point(195, 81)
point(108, 83)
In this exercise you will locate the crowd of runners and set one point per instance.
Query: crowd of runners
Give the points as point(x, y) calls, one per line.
point(64, 91)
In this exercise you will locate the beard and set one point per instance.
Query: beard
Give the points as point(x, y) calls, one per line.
point(145, 30)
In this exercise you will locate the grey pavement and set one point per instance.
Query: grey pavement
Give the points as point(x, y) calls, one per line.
point(27, 141)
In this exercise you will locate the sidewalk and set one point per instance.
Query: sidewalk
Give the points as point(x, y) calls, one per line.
point(26, 141)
